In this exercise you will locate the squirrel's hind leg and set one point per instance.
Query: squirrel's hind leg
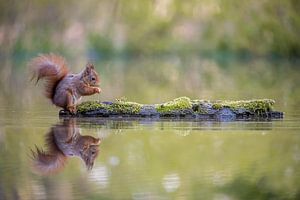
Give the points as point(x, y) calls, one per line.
point(71, 102)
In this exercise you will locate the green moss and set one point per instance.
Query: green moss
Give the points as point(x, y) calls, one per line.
point(122, 106)
point(91, 105)
point(180, 103)
point(257, 106)
point(125, 107)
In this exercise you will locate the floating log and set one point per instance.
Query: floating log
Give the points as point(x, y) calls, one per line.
point(182, 107)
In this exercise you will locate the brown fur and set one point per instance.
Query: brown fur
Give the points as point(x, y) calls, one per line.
point(61, 87)
point(64, 140)
point(51, 67)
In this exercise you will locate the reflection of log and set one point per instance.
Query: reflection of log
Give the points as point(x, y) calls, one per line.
point(181, 107)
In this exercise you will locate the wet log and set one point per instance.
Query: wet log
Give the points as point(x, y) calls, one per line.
point(182, 108)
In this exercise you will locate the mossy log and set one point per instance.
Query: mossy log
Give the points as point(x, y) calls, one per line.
point(182, 107)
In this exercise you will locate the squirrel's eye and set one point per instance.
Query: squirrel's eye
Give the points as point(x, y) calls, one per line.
point(93, 78)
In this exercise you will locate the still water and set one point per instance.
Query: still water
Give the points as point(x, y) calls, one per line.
point(151, 159)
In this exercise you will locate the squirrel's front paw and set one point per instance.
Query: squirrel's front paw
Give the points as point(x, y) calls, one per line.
point(97, 90)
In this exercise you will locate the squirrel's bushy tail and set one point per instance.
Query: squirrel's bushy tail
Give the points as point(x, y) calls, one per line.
point(50, 161)
point(50, 67)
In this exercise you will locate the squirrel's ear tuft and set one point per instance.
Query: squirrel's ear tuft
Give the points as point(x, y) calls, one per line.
point(97, 141)
point(90, 66)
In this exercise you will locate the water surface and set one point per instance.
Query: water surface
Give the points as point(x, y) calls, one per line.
point(166, 159)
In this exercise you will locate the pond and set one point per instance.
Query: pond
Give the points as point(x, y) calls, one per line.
point(148, 158)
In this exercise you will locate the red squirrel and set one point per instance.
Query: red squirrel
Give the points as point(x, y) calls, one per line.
point(63, 141)
point(61, 87)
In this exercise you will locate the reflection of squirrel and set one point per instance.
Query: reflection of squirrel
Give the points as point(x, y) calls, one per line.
point(63, 88)
point(64, 140)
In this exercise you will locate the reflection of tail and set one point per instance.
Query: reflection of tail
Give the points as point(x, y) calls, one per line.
point(50, 161)
point(45, 163)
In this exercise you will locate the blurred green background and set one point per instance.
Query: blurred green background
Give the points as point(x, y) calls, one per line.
point(209, 49)
point(107, 28)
